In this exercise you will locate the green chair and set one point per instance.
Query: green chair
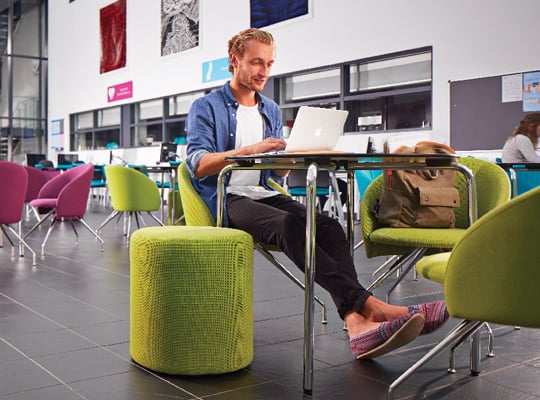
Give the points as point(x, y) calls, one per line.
point(410, 244)
point(491, 274)
point(131, 193)
point(196, 213)
point(191, 299)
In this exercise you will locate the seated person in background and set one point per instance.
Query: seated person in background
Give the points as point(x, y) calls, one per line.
point(521, 146)
point(237, 120)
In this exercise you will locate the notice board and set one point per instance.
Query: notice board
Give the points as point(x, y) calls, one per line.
point(479, 119)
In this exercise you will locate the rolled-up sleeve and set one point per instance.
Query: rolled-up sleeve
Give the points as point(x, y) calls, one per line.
point(200, 128)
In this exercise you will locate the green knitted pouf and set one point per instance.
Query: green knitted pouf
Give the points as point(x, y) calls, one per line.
point(191, 294)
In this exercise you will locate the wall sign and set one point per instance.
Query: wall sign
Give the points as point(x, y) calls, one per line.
point(531, 91)
point(216, 70)
point(120, 91)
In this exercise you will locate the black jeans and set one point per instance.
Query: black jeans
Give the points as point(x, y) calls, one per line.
point(281, 221)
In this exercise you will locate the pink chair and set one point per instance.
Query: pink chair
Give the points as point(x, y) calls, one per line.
point(14, 179)
point(65, 197)
point(36, 179)
point(51, 172)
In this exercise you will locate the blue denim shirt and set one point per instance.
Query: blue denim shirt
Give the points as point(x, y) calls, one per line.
point(211, 128)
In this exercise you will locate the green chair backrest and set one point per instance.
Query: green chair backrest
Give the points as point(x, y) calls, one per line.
point(492, 273)
point(493, 187)
point(131, 190)
point(196, 213)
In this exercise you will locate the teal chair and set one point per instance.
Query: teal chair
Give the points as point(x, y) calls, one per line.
point(411, 244)
point(491, 274)
point(196, 213)
point(327, 185)
point(524, 176)
point(363, 178)
point(132, 193)
point(99, 183)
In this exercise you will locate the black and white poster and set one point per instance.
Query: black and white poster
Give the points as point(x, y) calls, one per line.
point(179, 25)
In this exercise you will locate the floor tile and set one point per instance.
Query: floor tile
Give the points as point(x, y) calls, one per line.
point(64, 334)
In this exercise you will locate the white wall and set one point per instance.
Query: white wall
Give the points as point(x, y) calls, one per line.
point(470, 39)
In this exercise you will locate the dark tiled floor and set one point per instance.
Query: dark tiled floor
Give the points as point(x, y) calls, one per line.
point(64, 334)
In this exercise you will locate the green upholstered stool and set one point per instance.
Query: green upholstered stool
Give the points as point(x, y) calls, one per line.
point(191, 299)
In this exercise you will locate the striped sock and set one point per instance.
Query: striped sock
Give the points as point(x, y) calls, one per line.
point(435, 314)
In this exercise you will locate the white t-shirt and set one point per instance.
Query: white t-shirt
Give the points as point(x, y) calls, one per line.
point(249, 130)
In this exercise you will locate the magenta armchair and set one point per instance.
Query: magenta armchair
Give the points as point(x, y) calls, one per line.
point(36, 179)
point(65, 197)
point(14, 180)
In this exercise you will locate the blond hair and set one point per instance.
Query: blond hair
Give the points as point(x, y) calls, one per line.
point(238, 43)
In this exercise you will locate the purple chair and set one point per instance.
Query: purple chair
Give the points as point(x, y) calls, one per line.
point(14, 179)
point(65, 197)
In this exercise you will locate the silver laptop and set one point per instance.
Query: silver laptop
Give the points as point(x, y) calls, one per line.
point(316, 130)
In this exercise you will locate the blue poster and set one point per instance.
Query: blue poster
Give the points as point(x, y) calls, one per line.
point(531, 91)
point(216, 70)
point(269, 12)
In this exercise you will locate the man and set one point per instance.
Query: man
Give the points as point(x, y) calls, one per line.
point(237, 120)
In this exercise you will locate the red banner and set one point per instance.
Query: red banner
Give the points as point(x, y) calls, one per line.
point(112, 21)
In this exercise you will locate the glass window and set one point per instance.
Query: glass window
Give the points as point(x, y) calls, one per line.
point(84, 120)
point(399, 71)
point(27, 13)
point(150, 109)
point(104, 137)
point(389, 92)
point(81, 141)
point(146, 135)
point(310, 85)
point(179, 105)
point(399, 111)
point(365, 115)
point(109, 117)
point(175, 131)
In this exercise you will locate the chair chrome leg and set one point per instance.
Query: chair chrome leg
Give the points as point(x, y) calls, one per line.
point(126, 224)
point(137, 217)
point(400, 261)
point(128, 232)
point(75, 231)
point(20, 239)
point(461, 331)
point(491, 340)
point(476, 356)
point(109, 218)
point(8, 239)
point(155, 218)
point(406, 267)
point(358, 245)
point(21, 246)
point(53, 220)
point(93, 232)
point(394, 265)
point(42, 220)
point(385, 264)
